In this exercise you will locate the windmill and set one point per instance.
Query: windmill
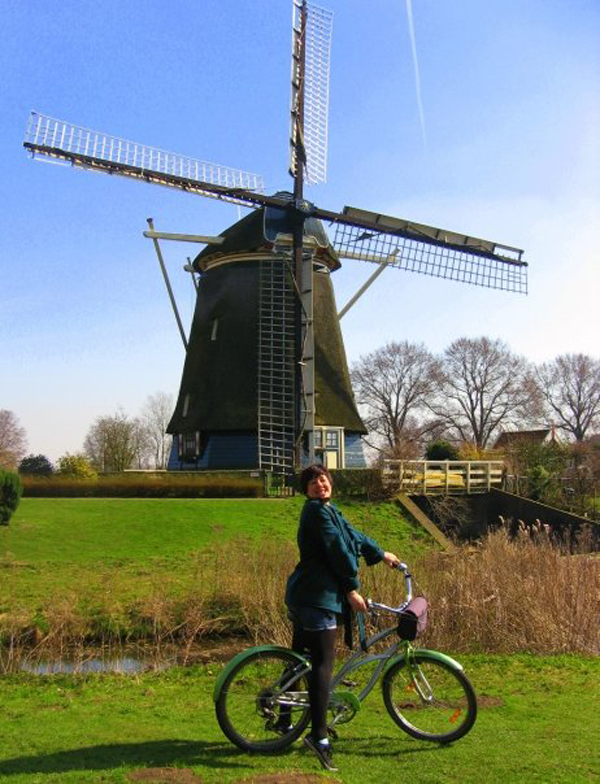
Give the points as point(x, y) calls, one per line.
point(265, 382)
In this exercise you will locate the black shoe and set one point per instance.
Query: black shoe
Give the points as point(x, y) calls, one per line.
point(282, 726)
point(322, 751)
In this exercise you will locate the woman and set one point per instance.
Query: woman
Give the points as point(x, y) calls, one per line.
point(321, 587)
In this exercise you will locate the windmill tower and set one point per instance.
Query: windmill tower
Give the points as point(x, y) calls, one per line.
point(265, 382)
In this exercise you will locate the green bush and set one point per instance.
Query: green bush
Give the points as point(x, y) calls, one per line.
point(37, 465)
point(10, 495)
point(441, 450)
point(365, 483)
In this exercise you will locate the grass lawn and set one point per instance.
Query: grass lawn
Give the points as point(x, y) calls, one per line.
point(54, 548)
point(537, 723)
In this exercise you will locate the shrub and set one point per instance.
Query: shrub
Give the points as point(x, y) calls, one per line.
point(10, 495)
point(36, 465)
point(363, 483)
point(441, 450)
point(77, 466)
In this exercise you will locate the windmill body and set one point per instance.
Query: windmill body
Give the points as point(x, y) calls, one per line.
point(237, 404)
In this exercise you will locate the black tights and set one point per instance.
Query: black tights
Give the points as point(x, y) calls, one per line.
point(321, 647)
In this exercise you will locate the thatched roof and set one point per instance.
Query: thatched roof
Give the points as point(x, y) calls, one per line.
point(513, 437)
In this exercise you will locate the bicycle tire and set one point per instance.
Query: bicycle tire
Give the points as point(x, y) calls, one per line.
point(248, 704)
point(430, 699)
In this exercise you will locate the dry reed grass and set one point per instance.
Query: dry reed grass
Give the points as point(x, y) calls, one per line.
point(503, 595)
point(509, 594)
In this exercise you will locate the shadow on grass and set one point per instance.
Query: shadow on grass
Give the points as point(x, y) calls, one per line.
point(172, 752)
point(387, 746)
point(159, 753)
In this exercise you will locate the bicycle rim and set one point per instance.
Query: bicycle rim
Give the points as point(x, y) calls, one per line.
point(260, 698)
point(429, 699)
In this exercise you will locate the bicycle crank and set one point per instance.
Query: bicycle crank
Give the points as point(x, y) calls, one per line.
point(344, 705)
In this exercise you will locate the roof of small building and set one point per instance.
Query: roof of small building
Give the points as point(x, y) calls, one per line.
point(510, 437)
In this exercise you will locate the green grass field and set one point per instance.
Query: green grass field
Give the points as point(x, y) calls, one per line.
point(537, 723)
point(538, 715)
point(104, 555)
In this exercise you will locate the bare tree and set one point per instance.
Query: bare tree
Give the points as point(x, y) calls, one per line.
point(391, 386)
point(156, 414)
point(570, 390)
point(13, 440)
point(481, 388)
point(115, 443)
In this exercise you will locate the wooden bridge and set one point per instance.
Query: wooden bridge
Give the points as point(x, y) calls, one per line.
point(443, 477)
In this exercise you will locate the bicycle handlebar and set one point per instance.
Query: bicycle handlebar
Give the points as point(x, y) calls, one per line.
point(402, 567)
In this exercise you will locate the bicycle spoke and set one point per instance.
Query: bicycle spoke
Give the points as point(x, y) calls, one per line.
point(430, 699)
point(264, 704)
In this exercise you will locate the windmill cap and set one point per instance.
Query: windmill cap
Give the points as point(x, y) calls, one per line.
point(260, 229)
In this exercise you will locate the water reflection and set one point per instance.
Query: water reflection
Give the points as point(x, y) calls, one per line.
point(115, 659)
point(123, 664)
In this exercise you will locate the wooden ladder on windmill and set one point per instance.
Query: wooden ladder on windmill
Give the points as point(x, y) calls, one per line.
point(276, 370)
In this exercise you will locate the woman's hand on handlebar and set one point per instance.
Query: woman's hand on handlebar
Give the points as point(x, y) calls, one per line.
point(356, 602)
point(391, 560)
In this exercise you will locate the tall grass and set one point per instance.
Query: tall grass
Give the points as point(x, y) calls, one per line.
point(508, 594)
point(504, 595)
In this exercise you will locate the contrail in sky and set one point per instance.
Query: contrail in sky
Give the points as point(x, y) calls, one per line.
point(413, 43)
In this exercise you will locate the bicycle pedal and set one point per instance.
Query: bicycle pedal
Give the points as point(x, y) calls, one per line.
point(333, 733)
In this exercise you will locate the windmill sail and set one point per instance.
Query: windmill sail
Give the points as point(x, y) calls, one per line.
point(360, 234)
point(310, 87)
point(62, 141)
point(416, 247)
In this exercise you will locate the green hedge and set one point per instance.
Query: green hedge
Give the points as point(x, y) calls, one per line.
point(364, 483)
point(143, 485)
point(10, 494)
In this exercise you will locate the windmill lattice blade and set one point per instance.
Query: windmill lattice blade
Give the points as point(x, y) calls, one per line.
point(477, 262)
point(59, 140)
point(317, 43)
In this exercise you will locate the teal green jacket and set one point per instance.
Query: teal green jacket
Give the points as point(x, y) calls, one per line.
point(329, 551)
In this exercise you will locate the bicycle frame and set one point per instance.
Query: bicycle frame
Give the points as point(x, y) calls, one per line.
point(361, 658)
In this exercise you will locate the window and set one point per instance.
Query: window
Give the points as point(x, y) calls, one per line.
point(190, 447)
point(332, 439)
point(186, 405)
point(214, 328)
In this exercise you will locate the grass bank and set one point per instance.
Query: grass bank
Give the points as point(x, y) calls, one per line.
point(537, 723)
point(164, 570)
point(111, 572)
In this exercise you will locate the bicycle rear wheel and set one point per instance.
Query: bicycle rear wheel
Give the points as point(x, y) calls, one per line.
point(263, 704)
point(430, 699)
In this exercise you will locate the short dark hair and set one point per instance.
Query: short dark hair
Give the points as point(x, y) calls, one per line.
point(312, 472)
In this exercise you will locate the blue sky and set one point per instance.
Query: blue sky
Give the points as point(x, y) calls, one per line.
point(507, 148)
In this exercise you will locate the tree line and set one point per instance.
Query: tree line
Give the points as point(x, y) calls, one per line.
point(114, 442)
point(469, 394)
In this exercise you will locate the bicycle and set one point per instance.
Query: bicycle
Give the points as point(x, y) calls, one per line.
point(426, 693)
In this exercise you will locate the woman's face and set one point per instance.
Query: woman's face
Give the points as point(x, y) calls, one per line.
point(319, 487)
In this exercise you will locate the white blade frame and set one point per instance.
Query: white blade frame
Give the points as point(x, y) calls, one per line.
point(319, 22)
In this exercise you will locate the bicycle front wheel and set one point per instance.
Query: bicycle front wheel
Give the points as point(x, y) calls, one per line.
point(429, 698)
point(263, 704)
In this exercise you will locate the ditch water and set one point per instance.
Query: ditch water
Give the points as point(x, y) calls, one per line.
point(125, 660)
